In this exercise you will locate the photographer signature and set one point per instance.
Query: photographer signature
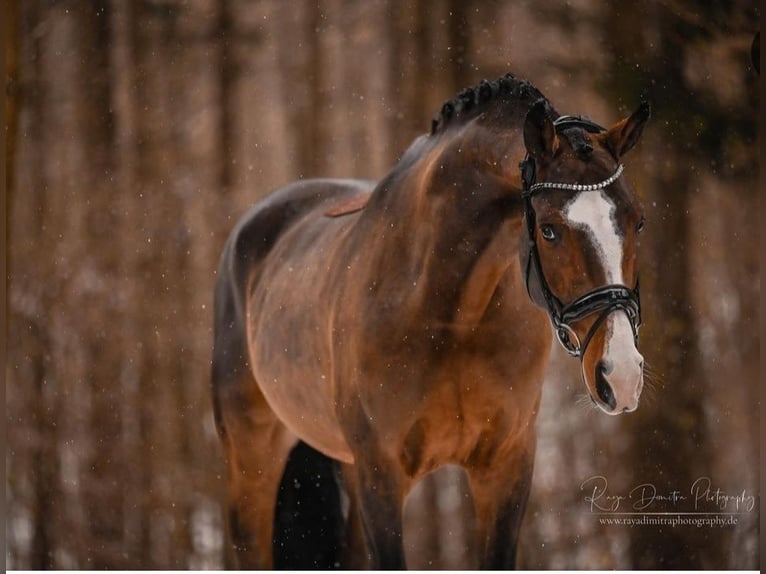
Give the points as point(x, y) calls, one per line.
point(701, 494)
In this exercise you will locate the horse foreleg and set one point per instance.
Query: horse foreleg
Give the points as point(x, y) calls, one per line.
point(354, 555)
point(500, 491)
point(380, 496)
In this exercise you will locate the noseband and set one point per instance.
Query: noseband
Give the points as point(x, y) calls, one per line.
point(603, 300)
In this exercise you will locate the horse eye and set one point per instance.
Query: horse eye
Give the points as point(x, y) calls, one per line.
point(547, 232)
point(640, 225)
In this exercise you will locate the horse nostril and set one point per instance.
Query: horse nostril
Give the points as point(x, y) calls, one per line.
point(603, 389)
point(606, 367)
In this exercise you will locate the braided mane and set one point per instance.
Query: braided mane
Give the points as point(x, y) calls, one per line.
point(470, 102)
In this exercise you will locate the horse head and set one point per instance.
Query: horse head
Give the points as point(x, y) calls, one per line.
point(579, 250)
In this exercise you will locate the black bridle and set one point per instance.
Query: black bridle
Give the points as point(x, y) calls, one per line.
point(604, 300)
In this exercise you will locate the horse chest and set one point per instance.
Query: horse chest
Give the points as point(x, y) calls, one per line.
point(438, 400)
point(465, 420)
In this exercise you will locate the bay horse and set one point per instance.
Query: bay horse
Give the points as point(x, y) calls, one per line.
point(401, 325)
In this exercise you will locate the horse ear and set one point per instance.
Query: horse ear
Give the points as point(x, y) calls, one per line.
point(623, 135)
point(539, 133)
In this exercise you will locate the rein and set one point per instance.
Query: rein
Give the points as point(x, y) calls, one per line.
point(603, 300)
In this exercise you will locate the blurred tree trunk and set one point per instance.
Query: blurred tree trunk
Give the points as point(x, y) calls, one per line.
point(162, 274)
point(46, 476)
point(102, 427)
point(459, 43)
point(30, 308)
point(301, 80)
point(410, 74)
point(9, 11)
point(672, 444)
point(314, 143)
point(670, 436)
point(12, 24)
point(126, 203)
point(228, 70)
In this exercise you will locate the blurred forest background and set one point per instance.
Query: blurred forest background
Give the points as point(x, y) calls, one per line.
point(141, 130)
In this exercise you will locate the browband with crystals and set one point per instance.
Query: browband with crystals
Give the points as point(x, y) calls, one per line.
point(575, 186)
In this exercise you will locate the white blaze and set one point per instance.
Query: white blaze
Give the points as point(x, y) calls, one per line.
point(594, 213)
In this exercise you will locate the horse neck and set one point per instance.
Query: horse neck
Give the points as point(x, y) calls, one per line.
point(457, 210)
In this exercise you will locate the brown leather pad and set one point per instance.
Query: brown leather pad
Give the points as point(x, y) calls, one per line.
point(351, 205)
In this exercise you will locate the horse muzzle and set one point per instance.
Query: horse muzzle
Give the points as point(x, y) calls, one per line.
point(618, 375)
